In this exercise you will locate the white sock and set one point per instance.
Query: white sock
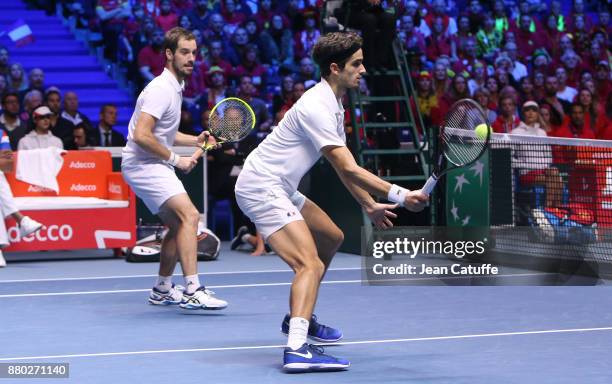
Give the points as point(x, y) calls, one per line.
point(164, 283)
point(192, 283)
point(245, 238)
point(298, 330)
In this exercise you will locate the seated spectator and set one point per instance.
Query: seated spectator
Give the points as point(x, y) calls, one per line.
point(105, 135)
point(592, 111)
point(502, 22)
point(216, 59)
point(235, 51)
point(482, 96)
point(526, 90)
point(602, 79)
point(467, 56)
point(488, 38)
point(246, 91)
point(534, 161)
point(167, 18)
point(53, 100)
point(526, 39)
point(284, 94)
point(10, 122)
point(69, 118)
point(493, 86)
point(439, 10)
point(214, 30)
point(233, 15)
point(507, 120)
point(410, 36)
point(551, 34)
point(540, 61)
point(575, 127)
point(264, 13)
point(306, 38)
point(36, 81)
point(545, 111)
point(263, 41)
point(250, 66)
point(517, 69)
point(31, 101)
point(604, 124)
point(40, 137)
point(282, 38)
point(199, 15)
point(151, 59)
point(308, 72)
point(478, 77)
point(80, 137)
point(564, 91)
point(572, 63)
point(438, 43)
point(217, 90)
point(559, 107)
point(297, 90)
point(16, 78)
point(539, 80)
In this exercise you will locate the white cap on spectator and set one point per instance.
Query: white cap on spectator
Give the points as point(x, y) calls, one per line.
point(531, 103)
point(43, 110)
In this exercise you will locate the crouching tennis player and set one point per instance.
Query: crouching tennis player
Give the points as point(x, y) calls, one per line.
point(297, 229)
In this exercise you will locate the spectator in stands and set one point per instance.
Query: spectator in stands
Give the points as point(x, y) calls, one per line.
point(545, 110)
point(214, 30)
point(53, 100)
point(265, 12)
point(284, 95)
point(508, 119)
point(517, 69)
point(438, 43)
point(595, 55)
point(488, 38)
point(112, 14)
point(565, 44)
point(575, 126)
point(539, 79)
point(564, 91)
point(439, 9)
point(32, 100)
point(377, 29)
point(532, 171)
point(551, 33)
point(305, 39)
point(467, 56)
point(233, 15)
point(105, 135)
point(4, 61)
point(602, 79)
point(79, 133)
point(526, 39)
point(410, 36)
point(218, 88)
point(591, 110)
point(36, 81)
point(459, 39)
point(250, 66)
point(236, 50)
point(246, 91)
point(572, 63)
point(167, 18)
point(151, 59)
point(69, 118)
point(459, 89)
point(185, 22)
point(526, 90)
point(10, 122)
point(482, 96)
point(540, 61)
point(40, 137)
point(502, 23)
point(282, 38)
point(559, 107)
point(199, 15)
point(555, 10)
point(308, 72)
point(604, 124)
point(17, 81)
point(216, 59)
point(297, 90)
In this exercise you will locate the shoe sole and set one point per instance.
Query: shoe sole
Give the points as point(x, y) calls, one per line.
point(313, 338)
point(196, 307)
point(310, 367)
point(163, 303)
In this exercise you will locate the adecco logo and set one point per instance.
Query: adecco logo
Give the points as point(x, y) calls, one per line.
point(36, 188)
point(82, 165)
point(51, 232)
point(114, 188)
point(83, 187)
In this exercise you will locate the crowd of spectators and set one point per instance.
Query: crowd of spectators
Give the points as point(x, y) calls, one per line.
point(506, 55)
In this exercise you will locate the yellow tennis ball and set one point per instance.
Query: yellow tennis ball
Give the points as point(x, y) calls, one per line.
point(482, 130)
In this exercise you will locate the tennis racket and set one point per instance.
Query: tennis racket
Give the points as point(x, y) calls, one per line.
point(464, 137)
point(230, 120)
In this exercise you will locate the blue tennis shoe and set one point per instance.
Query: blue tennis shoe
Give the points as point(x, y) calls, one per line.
point(316, 331)
point(309, 358)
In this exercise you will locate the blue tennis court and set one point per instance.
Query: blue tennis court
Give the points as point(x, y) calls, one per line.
point(93, 314)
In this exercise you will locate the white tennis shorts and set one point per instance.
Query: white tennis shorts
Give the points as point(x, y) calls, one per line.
point(269, 208)
point(154, 183)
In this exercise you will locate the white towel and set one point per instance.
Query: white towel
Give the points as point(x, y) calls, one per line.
point(40, 167)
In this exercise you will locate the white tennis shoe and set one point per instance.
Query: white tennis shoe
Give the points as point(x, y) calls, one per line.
point(27, 226)
point(202, 298)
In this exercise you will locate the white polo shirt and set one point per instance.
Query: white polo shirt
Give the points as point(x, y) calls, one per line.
point(282, 159)
point(162, 99)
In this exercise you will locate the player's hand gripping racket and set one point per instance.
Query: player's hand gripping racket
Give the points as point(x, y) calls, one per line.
point(464, 137)
point(230, 120)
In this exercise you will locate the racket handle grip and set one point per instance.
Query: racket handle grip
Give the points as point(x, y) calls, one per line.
point(430, 184)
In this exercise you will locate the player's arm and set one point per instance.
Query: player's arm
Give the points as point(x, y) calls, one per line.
point(144, 137)
point(356, 178)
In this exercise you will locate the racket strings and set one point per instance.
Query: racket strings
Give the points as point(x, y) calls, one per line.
point(231, 120)
point(461, 143)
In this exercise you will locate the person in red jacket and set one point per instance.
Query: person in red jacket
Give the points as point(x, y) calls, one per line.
point(575, 126)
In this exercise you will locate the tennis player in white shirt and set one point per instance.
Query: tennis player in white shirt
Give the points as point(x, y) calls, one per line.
point(148, 167)
point(297, 229)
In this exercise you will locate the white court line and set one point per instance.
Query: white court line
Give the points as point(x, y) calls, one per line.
point(382, 341)
point(176, 274)
point(264, 285)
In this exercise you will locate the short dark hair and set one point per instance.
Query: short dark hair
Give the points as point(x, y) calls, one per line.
point(52, 92)
point(335, 47)
point(9, 94)
point(576, 104)
point(107, 105)
point(173, 36)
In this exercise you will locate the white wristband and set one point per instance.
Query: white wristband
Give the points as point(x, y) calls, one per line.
point(173, 160)
point(397, 194)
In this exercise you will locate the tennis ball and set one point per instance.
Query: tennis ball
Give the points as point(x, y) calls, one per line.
point(482, 130)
